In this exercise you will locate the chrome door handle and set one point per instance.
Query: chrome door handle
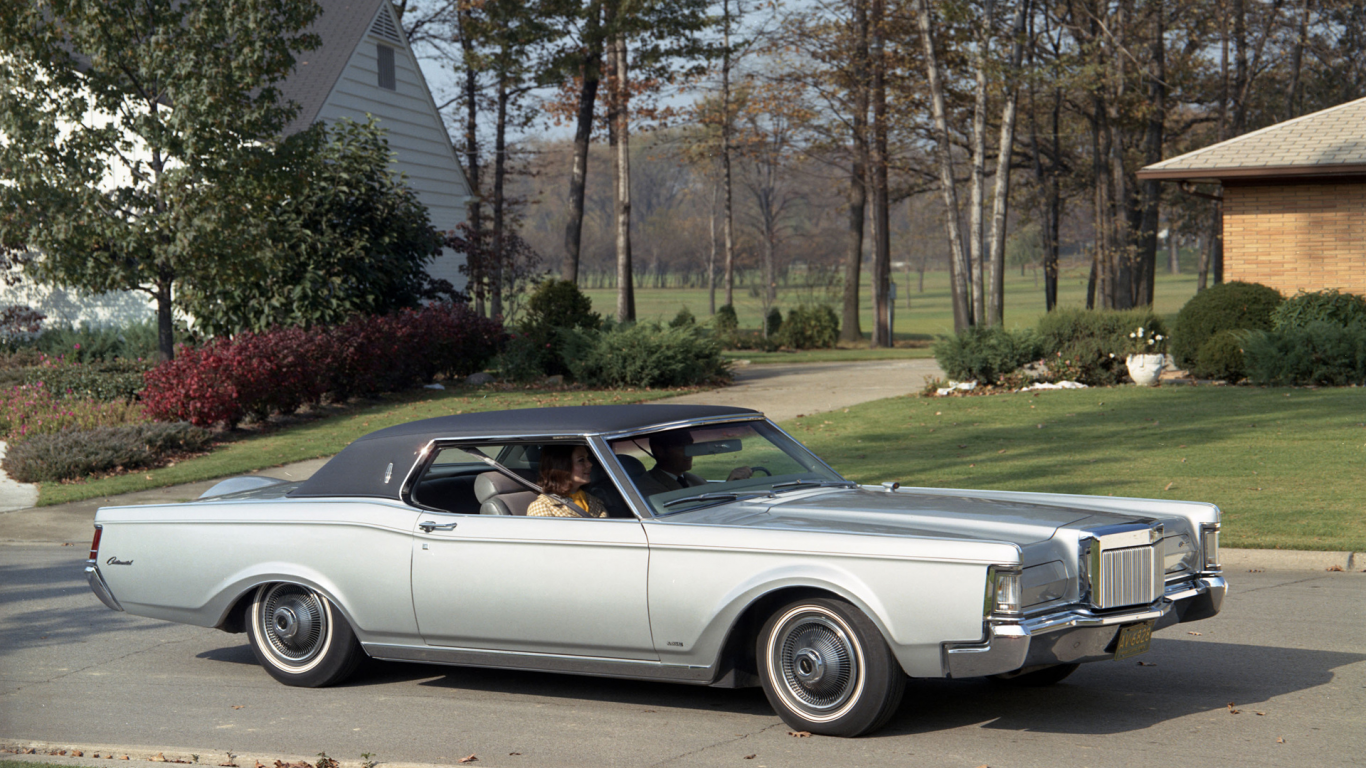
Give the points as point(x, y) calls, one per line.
point(428, 526)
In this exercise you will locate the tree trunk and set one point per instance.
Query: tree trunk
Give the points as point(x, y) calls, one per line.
point(165, 318)
point(1292, 91)
point(726, 180)
point(711, 257)
point(959, 271)
point(997, 262)
point(1146, 268)
point(626, 298)
point(977, 250)
point(475, 270)
point(882, 247)
point(499, 180)
point(583, 132)
point(850, 329)
point(1173, 249)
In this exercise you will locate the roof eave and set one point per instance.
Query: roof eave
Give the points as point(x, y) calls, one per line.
point(1216, 175)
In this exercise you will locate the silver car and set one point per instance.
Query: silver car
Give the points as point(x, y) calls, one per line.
point(730, 556)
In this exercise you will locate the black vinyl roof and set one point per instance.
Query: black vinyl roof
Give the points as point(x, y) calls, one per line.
point(360, 469)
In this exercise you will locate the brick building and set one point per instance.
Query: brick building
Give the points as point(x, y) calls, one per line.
point(1294, 200)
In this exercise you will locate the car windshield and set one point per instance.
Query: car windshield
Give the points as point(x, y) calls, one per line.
point(688, 468)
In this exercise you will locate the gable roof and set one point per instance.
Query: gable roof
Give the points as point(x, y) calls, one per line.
point(1327, 143)
point(340, 26)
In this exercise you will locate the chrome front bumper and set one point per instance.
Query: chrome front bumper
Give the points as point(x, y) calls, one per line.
point(100, 588)
point(1076, 634)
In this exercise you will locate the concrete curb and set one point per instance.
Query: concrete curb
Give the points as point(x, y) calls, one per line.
point(62, 753)
point(1235, 560)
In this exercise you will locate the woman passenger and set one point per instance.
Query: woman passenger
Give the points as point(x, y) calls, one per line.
point(565, 470)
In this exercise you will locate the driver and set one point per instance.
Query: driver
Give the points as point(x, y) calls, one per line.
point(673, 465)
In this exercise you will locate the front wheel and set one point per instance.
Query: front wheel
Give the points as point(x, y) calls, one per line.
point(300, 638)
point(826, 669)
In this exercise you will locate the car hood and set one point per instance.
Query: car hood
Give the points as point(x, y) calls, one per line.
point(904, 513)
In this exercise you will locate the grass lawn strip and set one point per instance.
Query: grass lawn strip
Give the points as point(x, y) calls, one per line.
point(327, 436)
point(1284, 465)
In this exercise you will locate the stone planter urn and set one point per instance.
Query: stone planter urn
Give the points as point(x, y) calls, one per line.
point(1145, 369)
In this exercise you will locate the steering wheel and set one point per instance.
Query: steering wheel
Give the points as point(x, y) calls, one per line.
point(761, 469)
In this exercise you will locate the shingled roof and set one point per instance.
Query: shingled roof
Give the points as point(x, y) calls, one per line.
point(1327, 143)
point(341, 25)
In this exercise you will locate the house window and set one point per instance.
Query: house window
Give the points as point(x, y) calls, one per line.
point(385, 55)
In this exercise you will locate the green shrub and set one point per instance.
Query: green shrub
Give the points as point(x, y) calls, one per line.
point(106, 381)
point(643, 355)
point(521, 359)
point(1298, 311)
point(985, 354)
point(88, 343)
point(555, 304)
point(1320, 353)
point(1232, 306)
point(683, 318)
point(810, 327)
point(1089, 345)
point(727, 325)
point(1221, 357)
point(773, 323)
point(72, 453)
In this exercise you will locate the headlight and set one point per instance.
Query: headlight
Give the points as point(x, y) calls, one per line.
point(1003, 590)
point(1209, 543)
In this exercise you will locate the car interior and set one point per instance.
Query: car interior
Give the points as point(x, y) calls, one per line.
point(459, 482)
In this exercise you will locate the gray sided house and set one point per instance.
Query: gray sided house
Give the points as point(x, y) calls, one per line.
point(363, 68)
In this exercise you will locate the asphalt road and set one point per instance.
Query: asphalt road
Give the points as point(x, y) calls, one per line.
point(1288, 653)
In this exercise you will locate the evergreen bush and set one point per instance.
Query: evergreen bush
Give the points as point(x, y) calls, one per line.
point(727, 326)
point(1221, 357)
point(555, 304)
point(1090, 346)
point(1320, 353)
point(683, 318)
point(810, 327)
point(1330, 306)
point(773, 323)
point(103, 380)
point(986, 353)
point(643, 355)
point(1234, 306)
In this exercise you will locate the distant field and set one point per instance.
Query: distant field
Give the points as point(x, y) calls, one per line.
point(930, 314)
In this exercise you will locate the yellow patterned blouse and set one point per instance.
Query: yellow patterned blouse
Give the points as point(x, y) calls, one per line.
point(544, 506)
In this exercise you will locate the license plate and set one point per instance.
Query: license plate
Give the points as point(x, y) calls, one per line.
point(1133, 640)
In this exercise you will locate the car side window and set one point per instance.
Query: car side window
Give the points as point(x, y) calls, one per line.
point(451, 482)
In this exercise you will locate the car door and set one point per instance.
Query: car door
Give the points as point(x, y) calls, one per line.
point(549, 585)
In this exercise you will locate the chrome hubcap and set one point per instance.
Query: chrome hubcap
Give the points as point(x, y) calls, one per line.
point(294, 622)
point(817, 661)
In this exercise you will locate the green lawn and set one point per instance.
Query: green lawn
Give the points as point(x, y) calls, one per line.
point(930, 313)
point(327, 436)
point(1284, 465)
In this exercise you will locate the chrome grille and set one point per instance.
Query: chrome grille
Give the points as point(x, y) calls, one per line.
point(1123, 565)
point(1127, 577)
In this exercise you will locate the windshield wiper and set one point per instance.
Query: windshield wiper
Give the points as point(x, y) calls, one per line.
point(791, 484)
point(723, 496)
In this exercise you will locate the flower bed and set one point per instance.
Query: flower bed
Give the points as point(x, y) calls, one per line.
point(34, 409)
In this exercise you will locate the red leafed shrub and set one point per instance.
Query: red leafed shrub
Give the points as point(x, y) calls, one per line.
point(256, 374)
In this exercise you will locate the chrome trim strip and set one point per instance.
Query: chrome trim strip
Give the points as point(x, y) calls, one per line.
point(544, 662)
point(653, 428)
point(100, 587)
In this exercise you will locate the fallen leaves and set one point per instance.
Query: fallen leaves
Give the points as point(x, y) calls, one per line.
point(1280, 739)
point(1197, 634)
point(799, 734)
point(1233, 710)
point(751, 757)
point(238, 706)
point(1146, 664)
point(1335, 568)
point(469, 759)
point(1169, 486)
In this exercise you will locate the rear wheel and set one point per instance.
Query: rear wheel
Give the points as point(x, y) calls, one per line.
point(826, 669)
point(299, 637)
